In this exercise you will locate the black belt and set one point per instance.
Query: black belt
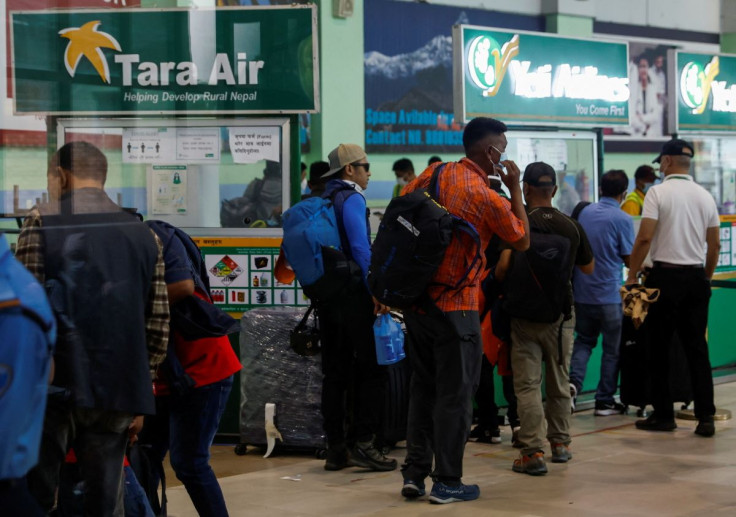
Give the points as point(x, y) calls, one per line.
point(667, 265)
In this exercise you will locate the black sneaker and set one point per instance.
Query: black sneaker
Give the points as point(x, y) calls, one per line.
point(654, 423)
point(368, 457)
point(492, 436)
point(413, 489)
point(609, 408)
point(336, 458)
point(706, 428)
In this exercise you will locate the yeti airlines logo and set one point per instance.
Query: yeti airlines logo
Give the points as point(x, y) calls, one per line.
point(698, 84)
point(87, 41)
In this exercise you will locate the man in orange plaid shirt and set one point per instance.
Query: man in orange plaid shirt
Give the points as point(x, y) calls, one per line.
point(444, 343)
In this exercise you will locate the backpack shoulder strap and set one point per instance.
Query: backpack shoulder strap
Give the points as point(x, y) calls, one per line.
point(434, 182)
point(338, 195)
point(578, 208)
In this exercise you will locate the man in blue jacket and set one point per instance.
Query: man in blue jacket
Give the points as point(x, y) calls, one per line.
point(27, 334)
point(348, 347)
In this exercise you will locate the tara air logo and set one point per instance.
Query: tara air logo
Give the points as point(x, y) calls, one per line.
point(488, 62)
point(696, 82)
point(89, 42)
point(86, 41)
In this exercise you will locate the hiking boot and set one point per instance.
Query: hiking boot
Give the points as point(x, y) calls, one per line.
point(515, 438)
point(705, 427)
point(413, 489)
point(532, 464)
point(609, 408)
point(442, 493)
point(336, 458)
point(654, 423)
point(368, 457)
point(490, 436)
point(573, 397)
point(560, 453)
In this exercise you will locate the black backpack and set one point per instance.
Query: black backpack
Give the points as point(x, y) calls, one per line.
point(536, 285)
point(410, 245)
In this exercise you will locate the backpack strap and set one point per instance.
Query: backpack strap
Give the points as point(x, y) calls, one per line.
point(338, 194)
point(578, 208)
point(460, 225)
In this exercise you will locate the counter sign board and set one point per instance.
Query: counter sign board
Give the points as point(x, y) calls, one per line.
point(178, 61)
point(536, 79)
point(705, 86)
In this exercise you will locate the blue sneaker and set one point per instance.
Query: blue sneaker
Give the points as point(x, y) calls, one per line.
point(443, 494)
point(413, 489)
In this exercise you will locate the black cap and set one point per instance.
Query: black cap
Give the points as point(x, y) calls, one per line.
point(536, 175)
point(645, 172)
point(675, 147)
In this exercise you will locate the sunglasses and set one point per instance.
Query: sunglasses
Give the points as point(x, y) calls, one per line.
point(366, 166)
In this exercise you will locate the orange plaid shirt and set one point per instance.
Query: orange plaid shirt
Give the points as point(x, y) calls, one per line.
point(464, 191)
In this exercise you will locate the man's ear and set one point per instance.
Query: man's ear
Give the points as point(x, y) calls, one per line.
point(554, 191)
point(64, 178)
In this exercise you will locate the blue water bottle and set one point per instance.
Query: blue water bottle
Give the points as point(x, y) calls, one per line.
point(397, 339)
point(383, 332)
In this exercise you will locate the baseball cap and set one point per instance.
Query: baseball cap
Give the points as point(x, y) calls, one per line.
point(675, 147)
point(342, 155)
point(536, 175)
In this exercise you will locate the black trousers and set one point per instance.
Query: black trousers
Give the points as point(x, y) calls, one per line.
point(683, 307)
point(485, 398)
point(354, 385)
point(445, 354)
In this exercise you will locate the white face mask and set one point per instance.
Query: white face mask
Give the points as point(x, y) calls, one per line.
point(502, 158)
point(402, 181)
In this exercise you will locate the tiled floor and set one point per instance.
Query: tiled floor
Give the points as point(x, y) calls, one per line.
point(616, 471)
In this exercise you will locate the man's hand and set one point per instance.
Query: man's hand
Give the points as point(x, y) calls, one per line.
point(378, 307)
point(134, 428)
point(511, 175)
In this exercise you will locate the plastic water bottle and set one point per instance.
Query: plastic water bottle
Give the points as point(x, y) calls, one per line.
point(397, 340)
point(383, 332)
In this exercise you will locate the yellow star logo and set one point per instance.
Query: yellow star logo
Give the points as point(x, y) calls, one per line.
point(87, 41)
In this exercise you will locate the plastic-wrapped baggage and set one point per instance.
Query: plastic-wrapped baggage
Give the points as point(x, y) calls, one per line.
point(274, 373)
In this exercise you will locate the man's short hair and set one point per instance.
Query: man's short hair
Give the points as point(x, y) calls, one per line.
point(479, 128)
point(403, 165)
point(614, 183)
point(84, 160)
point(316, 171)
point(433, 159)
point(644, 172)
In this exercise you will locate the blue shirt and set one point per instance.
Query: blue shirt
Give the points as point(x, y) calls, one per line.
point(356, 229)
point(27, 336)
point(611, 234)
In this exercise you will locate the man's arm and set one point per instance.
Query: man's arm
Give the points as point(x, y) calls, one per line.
point(713, 239)
point(641, 247)
point(29, 250)
point(177, 291)
point(157, 314)
point(511, 178)
point(504, 261)
point(587, 269)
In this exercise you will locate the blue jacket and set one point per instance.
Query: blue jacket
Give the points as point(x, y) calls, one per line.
point(27, 337)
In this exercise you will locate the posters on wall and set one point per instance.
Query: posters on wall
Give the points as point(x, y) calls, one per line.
point(253, 144)
point(169, 184)
point(241, 273)
point(408, 73)
point(170, 145)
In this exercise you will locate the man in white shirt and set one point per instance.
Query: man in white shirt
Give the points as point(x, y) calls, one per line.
point(679, 220)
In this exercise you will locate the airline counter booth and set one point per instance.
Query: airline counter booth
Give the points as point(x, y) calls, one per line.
point(202, 132)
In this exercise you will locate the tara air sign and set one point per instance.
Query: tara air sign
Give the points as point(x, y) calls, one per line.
point(705, 98)
point(225, 60)
point(535, 79)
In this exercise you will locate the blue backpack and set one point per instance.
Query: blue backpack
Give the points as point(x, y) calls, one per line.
point(313, 244)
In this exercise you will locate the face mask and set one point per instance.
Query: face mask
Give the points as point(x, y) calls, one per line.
point(647, 186)
point(503, 157)
point(402, 181)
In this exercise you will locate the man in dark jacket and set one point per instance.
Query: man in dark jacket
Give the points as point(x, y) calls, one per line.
point(104, 273)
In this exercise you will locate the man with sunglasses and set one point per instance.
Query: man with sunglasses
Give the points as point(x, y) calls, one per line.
point(348, 349)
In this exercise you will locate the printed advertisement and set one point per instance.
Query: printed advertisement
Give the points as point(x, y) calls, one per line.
point(169, 184)
point(408, 73)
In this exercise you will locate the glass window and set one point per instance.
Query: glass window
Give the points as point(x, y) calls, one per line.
point(714, 168)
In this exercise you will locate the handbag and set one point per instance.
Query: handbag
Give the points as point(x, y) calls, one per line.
point(304, 338)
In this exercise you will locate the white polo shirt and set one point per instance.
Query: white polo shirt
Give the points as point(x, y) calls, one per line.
point(684, 211)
